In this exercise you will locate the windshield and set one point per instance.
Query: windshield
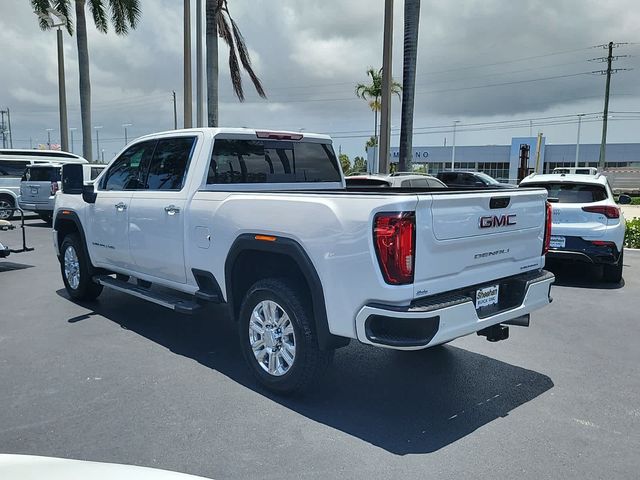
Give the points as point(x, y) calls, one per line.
point(487, 179)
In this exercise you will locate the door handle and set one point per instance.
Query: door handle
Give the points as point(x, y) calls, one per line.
point(121, 207)
point(172, 209)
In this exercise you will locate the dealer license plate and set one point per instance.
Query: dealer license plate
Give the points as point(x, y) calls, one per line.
point(557, 242)
point(487, 296)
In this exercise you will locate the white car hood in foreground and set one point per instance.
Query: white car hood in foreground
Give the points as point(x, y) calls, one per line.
point(29, 467)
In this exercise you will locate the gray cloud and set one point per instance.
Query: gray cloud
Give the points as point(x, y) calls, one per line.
point(310, 54)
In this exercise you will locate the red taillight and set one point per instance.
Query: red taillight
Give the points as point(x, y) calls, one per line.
point(608, 211)
point(547, 228)
point(394, 239)
point(54, 187)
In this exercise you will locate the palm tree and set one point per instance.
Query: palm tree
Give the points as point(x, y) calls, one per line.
point(220, 24)
point(411, 23)
point(372, 93)
point(123, 15)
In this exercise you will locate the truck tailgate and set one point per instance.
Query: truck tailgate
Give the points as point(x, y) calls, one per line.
point(475, 237)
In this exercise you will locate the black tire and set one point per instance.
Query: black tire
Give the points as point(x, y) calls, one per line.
point(7, 202)
point(47, 218)
point(613, 273)
point(309, 361)
point(84, 288)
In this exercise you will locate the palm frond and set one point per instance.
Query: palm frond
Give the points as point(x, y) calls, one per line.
point(234, 66)
point(245, 59)
point(99, 14)
point(64, 7)
point(40, 8)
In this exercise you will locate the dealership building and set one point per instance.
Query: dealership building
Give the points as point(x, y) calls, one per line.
point(502, 161)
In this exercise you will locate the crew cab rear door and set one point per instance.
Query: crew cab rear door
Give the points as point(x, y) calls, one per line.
point(156, 215)
point(468, 238)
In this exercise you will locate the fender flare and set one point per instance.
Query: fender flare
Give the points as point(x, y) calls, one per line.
point(66, 215)
point(292, 249)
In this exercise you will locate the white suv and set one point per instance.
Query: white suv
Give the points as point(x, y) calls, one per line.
point(587, 224)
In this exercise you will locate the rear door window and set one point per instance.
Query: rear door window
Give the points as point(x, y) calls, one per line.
point(12, 168)
point(169, 164)
point(573, 192)
point(271, 161)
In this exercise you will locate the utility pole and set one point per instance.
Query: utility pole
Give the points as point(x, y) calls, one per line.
point(49, 130)
point(3, 129)
point(605, 115)
point(10, 132)
point(580, 115)
point(199, 70)
point(175, 112)
point(453, 146)
point(385, 119)
point(188, 97)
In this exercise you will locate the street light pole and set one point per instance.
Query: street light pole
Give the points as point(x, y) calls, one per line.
point(578, 139)
point(62, 91)
point(71, 130)
point(49, 130)
point(453, 147)
point(97, 129)
point(188, 98)
point(126, 138)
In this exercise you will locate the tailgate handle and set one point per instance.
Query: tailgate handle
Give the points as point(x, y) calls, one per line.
point(499, 202)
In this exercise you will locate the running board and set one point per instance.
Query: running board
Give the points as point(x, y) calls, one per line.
point(175, 303)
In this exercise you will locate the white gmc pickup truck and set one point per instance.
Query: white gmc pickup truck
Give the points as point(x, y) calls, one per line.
point(262, 222)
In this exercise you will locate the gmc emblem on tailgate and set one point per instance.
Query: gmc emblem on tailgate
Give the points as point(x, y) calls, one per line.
point(497, 221)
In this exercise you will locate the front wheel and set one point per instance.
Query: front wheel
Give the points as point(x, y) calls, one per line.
point(613, 273)
point(74, 265)
point(277, 337)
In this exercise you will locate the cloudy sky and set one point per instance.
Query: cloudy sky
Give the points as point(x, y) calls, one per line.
point(482, 62)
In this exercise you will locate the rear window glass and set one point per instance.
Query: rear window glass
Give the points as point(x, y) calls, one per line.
point(268, 161)
point(42, 174)
point(573, 192)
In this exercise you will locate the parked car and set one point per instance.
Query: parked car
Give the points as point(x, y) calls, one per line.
point(261, 222)
point(464, 179)
point(13, 163)
point(587, 224)
point(40, 182)
point(394, 180)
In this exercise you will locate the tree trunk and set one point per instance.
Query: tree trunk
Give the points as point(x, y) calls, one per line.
point(411, 23)
point(212, 62)
point(85, 81)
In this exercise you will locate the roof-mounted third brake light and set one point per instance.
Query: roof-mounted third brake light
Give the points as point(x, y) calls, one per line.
point(279, 135)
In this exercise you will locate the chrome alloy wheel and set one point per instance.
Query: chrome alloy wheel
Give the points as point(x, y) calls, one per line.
point(272, 338)
point(72, 267)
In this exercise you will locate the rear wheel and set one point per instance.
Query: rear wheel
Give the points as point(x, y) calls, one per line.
point(613, 273)
point(7, 204)
point(47, 217)
point(277, 337)
point(74, 265)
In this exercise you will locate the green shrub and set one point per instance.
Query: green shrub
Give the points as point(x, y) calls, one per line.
point(632, 236)
point(635, 200)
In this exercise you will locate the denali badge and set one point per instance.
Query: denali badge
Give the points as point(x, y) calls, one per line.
point(497, 221)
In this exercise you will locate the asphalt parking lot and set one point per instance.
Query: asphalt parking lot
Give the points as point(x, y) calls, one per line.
point(121, 380)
